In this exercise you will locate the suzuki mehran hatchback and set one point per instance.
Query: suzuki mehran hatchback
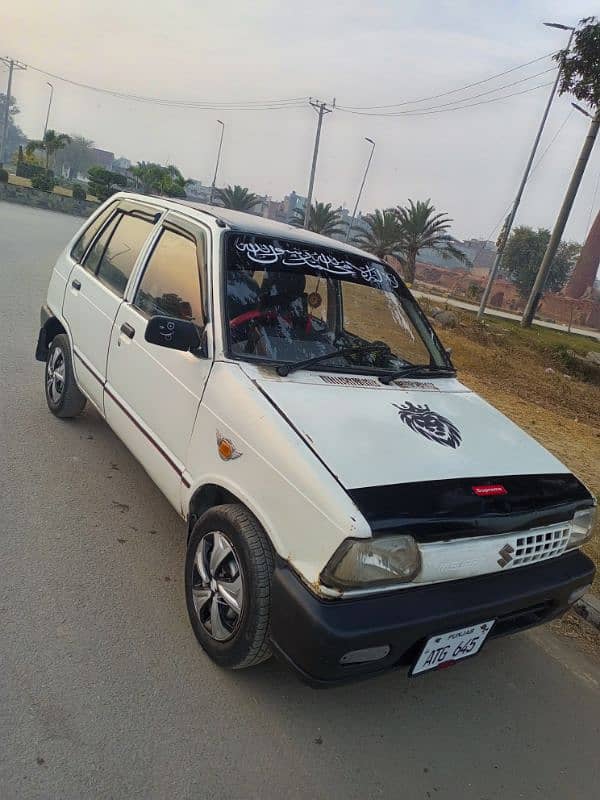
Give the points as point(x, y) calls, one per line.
point(350, 505)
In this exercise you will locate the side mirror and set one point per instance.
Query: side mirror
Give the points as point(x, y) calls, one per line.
point(178, 334)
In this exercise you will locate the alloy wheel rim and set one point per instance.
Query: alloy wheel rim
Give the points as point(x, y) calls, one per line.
point(217, 586)
point(55, 375)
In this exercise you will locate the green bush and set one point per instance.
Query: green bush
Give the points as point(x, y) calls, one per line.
point(25, 170)
point(3, 176)
point(44, 182)
point(78, 192)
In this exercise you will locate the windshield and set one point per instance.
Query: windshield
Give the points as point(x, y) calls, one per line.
point(288, 302)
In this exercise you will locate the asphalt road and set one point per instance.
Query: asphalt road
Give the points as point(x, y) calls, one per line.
point(104, 692)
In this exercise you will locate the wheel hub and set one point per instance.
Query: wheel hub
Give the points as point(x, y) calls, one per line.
point(217, 586)
point(55, 375)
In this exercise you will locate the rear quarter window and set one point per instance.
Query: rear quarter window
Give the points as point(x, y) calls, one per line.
point(86, 238)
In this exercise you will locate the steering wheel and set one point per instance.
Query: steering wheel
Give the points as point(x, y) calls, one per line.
point(249, 316)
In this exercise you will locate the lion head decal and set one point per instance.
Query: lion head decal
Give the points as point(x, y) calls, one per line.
point(429, 424)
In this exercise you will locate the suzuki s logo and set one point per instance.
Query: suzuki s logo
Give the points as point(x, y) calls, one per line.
point(429, 424)
point(505, 555)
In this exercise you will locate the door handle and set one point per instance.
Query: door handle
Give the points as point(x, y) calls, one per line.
point(128, 330)
point(76, 284)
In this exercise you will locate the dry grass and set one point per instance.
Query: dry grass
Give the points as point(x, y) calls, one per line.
point(507, 365)
point(61, 190)
point(17, 181)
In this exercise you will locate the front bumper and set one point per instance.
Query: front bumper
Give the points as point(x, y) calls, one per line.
point(312, 634)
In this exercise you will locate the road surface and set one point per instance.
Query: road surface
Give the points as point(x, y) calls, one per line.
point(104, 692)
point(494, 312)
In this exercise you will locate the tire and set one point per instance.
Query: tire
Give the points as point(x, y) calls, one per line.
point(62, 393)
point(233, 639)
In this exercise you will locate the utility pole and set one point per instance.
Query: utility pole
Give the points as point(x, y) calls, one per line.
point(12, 64)
point(362, 186)
point(322, 109)
point(513, 212)
point(214, 181)
point(561, 220)
point(49, 106)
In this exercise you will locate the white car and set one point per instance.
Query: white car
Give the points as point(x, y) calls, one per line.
point(350, 505)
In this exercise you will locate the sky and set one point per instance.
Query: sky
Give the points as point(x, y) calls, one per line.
point(469, 162)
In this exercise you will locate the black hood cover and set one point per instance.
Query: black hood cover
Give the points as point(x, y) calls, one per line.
point(449, 509)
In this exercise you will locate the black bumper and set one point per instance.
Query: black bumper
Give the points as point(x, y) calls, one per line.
point(311, 634)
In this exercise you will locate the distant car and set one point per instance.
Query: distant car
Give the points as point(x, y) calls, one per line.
point(350, 505)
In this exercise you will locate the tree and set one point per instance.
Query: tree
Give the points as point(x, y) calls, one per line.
point(580, 65)
point(156, 179)
point(322, 218)
point(77, 156)
point(15, 136)
point(382, 238)
point(523, 256)
point(238, 198)
point(103, 183)
point(50, 144)
point(421, 226)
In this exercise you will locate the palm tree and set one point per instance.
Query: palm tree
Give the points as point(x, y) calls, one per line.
point(323, 219)
point(383, 234)
point(51, 142)
point(156, 179)
point(421, 226)
point(238, 198)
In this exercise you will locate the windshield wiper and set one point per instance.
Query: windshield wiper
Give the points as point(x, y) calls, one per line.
point(417, 371)
point(285, 369)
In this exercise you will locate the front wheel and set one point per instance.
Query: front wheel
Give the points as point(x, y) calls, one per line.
point(62, 393)
point(228, 573)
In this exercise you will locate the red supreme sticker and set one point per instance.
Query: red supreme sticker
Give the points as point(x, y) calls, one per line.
point(491, 490)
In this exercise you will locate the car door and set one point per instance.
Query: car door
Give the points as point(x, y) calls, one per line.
point(96, 287)
point(152, 392)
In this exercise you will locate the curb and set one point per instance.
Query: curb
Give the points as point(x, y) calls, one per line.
point(589, 608)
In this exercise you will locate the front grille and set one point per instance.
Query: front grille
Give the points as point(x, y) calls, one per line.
point(538, 546)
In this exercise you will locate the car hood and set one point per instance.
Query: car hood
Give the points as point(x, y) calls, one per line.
point(368, 434)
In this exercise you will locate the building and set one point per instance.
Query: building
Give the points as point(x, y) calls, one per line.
point(122, 166)
point(74, 163)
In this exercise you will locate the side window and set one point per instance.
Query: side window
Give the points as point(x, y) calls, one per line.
point(171, 281)
point(121, 252)
point(94, 255)
point(86, 237)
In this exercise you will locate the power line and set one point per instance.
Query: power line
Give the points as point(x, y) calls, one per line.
point(554, 138)
point(440, 110)
point(451, 91)
point(453, 102)
point(246, 105)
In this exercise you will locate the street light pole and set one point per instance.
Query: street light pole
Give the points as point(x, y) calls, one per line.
point(513, 212)
point(12, 64)
point(361, 187)
point(561, 220)
point(212, 187)
point(49, 105)
point(322, 109)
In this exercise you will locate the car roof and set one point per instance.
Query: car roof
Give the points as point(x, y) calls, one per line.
point(251, 223)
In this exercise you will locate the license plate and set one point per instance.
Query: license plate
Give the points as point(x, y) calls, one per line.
point(446, 648)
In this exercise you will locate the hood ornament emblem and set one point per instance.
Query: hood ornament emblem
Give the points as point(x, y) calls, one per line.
point(430, 424)
point(505, 554)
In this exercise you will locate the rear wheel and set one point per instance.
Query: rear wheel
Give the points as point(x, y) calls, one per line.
point(228, 573)
point(62, 393)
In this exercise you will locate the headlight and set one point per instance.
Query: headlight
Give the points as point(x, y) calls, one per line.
point(362, 563)
point(582, 526)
